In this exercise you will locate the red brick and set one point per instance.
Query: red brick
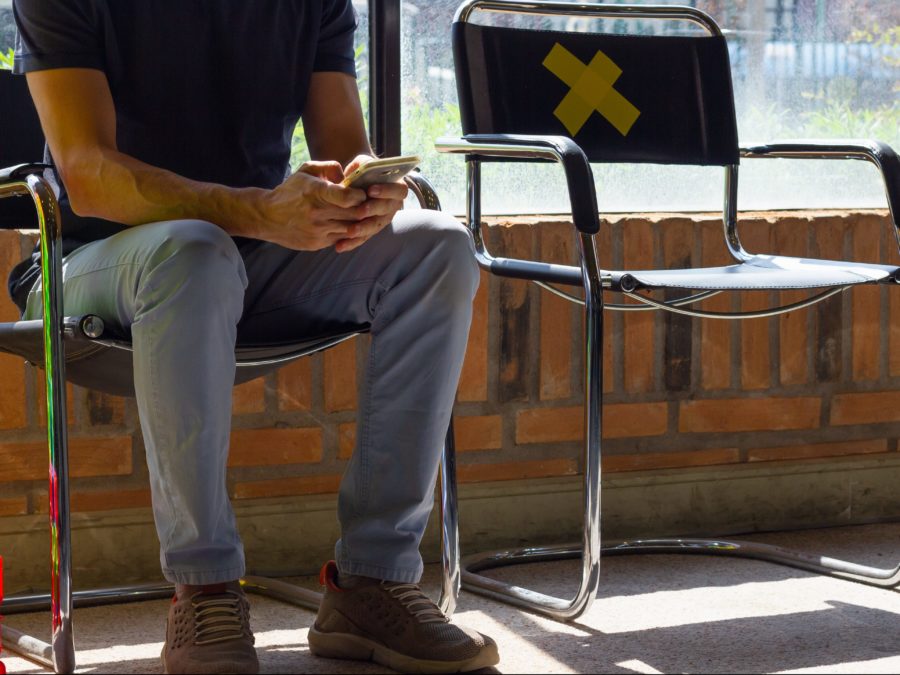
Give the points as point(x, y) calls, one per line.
point(867, 408)
point(103, 409)
point(678, 237)
point(791, 237)
point(346, 440)
point(14, 506)
point(249, 397)
point(620, 420)
point(102, 500)
point(295, 385)
point(556, 318)
point(828, 239)
point(340, 377)
point(545, 468)
point(478, 433)
point(749, 414)
point(794, 341)
point(638, 327)
point(715, 334)
point(10, 255)
point(811, 451)
point(516, 333)
point(12, 392)
point(669, 460)
point(866, 316)
point(87, 457)
point(473, 383)
point(829, 344)
point(266, 447)
point(287, 487)
point(756, 358)
point(604, 244)
point(894, 332)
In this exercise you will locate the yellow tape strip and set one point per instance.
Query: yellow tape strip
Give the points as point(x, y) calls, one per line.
point(591, 89)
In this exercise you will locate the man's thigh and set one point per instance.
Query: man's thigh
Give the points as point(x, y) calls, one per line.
point(298, 295)
point(103, 277)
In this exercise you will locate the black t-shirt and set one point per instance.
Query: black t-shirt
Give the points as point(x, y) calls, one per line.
point(209, 89)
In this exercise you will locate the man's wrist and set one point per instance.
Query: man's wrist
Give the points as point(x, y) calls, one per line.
point(238, 211)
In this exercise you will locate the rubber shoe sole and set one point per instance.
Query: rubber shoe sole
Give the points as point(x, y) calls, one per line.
point(355, 648)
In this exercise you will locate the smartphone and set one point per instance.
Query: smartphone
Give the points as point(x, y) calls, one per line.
point(384, 170)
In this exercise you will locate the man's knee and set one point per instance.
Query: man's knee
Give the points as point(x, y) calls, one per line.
point(449, 244)
point(193, 238)
point(195, 254)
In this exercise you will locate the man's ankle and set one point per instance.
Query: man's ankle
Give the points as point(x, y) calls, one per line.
point(182, 590)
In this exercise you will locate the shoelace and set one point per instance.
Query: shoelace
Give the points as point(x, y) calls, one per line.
point(217, 618)
point(419, 605)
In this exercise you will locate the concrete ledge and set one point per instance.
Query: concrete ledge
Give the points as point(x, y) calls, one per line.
point(294, 535)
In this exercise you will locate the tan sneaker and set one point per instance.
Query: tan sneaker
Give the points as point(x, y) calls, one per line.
point(210, 633)
point(395, 625)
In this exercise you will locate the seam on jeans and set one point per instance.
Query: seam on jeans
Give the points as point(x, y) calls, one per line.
point(365, 440)
point(296, 300)
point(36, 288)
point(102, 269)
point(370, 379)
point(366, 444)
point(154, 387)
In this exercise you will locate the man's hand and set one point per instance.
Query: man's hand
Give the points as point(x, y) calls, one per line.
point(383, 202)
point(311, 210)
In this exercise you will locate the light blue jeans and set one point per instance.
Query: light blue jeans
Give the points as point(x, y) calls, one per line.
point(187, 293)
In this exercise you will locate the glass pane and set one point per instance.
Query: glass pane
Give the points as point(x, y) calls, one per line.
point(7, 29)
point(820, 69)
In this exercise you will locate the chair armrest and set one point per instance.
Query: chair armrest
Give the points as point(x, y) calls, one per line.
point(423, 190)
point(562, 150)
point(555, 148)
point(18, 172)
point(18, 213)
point(880, 154)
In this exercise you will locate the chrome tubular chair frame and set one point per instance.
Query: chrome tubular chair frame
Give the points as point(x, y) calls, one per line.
point(59, 655)
point(34, 186)
point(594, 281)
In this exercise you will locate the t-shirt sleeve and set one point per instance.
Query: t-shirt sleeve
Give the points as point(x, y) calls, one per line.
point(56, 34)
point(335, 49)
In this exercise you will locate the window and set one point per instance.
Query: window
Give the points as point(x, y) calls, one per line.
point(801, 68)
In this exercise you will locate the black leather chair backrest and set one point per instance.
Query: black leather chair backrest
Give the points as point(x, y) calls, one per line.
point(622, 98)
point(21, 142)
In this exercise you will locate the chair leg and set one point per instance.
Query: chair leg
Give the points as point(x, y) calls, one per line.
point(841, 569)
point(62, 639)
point(450, 579)
point(589, 549)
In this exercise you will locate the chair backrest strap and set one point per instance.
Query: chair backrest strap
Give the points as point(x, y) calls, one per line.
point(623, 98)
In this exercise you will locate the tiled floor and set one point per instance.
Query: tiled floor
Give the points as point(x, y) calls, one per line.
point(669, 614)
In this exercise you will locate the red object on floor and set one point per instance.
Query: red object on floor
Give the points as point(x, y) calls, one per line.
point(2, 667)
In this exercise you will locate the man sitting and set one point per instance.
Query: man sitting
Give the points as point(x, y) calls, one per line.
point(169, 124)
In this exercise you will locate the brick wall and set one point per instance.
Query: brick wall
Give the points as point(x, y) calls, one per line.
point(814, 384)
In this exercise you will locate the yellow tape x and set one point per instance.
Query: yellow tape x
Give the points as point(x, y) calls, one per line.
point(591, 88)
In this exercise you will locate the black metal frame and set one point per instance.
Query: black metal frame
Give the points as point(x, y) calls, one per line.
point(384, 69)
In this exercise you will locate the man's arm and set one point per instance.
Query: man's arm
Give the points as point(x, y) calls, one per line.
point(334, 128)
point(309, 211)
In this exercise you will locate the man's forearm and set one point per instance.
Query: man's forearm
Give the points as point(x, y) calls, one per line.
point(111, 185)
